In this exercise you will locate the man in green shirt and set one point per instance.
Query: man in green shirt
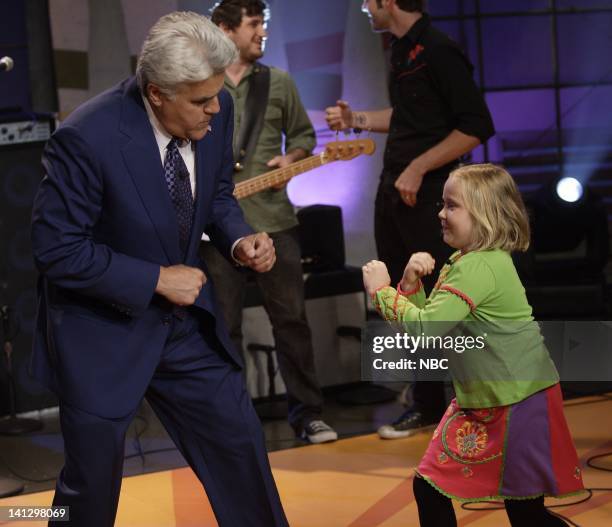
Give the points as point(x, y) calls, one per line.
point(270, 210)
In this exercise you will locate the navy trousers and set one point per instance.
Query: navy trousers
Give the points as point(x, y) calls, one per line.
point(200, 397)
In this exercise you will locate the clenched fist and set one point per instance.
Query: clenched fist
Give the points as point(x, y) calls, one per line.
point(180, 284)
point(339, 117)
point(256, 251)
point(375, 276)
point(419, 265)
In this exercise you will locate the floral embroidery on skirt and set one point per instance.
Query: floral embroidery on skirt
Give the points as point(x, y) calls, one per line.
point(487, 447)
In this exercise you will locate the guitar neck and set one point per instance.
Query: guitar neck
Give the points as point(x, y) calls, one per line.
point(278, 176)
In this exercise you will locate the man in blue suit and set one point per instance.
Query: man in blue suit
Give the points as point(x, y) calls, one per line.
point(125, 309)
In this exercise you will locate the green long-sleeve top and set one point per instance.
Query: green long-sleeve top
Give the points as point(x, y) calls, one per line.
point(482, 291)
point(285, 119)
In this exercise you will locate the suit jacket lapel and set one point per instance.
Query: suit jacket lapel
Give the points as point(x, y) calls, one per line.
point(204, 187)
point(142, 159)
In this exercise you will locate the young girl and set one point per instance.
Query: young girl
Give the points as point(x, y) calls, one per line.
point(499, 439)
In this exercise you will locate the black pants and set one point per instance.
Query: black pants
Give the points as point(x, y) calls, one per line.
point(436, 510)
point(400, 231)
point(282, 289)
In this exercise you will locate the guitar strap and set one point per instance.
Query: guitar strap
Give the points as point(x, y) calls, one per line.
point(253, 115)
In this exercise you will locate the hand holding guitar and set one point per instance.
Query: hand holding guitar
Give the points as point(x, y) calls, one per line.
point(285, 161)
point(278, 162)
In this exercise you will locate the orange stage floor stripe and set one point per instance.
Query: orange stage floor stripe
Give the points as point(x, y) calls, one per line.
point(357, 482)
point(386, 507)
point(190, 501)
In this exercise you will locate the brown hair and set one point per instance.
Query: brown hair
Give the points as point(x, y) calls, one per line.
point(411, 6)
point(230, 12)
point(494, 202)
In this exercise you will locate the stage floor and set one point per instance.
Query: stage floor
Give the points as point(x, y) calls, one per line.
point(358, 482)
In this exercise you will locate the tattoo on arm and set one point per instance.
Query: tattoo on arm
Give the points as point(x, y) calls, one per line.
point(359, 120)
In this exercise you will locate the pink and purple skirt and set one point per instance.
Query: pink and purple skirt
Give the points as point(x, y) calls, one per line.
point(524, 450)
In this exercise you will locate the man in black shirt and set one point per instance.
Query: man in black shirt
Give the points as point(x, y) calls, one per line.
point(437, 115)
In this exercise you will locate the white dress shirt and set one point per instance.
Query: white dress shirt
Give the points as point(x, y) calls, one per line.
point(186, 150)
point(163, 138)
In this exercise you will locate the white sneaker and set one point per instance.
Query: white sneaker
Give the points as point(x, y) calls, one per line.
point(407, 424)
point(317, 431)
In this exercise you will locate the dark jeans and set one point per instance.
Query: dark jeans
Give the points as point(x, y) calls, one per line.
point(400, 231)
point(282, 289)
point(436, 510)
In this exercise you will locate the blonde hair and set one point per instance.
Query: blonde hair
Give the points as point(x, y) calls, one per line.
point(494, 202)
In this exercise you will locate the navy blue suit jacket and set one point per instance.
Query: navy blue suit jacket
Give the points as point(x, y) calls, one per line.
point(102, 226)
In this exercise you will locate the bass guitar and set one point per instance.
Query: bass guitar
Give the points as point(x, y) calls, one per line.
point(334, 151)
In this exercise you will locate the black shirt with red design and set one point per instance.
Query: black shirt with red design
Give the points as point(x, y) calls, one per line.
point(432, 93)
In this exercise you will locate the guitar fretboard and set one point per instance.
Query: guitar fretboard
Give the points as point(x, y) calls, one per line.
point(278, 176)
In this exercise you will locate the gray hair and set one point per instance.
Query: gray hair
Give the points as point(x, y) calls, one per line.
point(183, 47)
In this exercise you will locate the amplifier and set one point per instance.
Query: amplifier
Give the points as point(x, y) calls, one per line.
point(321, 238)
point(22, 140)
point(30, 130)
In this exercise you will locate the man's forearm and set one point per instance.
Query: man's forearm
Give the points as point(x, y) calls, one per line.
point(455, 145)
point(373, 120)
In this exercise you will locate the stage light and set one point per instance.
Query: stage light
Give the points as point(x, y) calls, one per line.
point(569, 189)
point(563, 271)
point(570, 238)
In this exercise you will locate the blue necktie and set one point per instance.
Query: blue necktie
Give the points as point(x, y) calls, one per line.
point(179, 187)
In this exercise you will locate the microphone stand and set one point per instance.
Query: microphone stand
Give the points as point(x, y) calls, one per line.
point(9, 487)
point(13, 425)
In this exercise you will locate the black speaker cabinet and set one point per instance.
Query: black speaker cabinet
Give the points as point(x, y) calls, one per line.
point(20, 174)
point(322, 238)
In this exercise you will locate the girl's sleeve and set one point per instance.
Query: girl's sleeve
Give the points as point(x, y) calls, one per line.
point(469, 282)
point(387, 299)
